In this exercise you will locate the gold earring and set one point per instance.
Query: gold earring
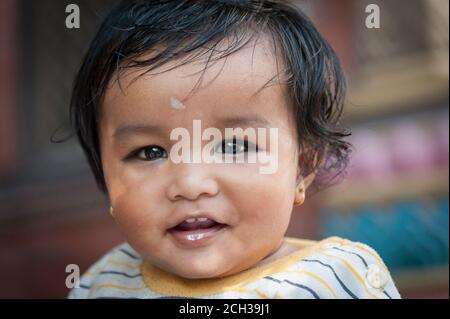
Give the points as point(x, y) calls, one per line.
point(300, 196)
point(111, 211)
point(300, 201)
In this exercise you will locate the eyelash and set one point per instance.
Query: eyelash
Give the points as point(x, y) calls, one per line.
point(246, 145)
point(163, 152)
point(135, 154)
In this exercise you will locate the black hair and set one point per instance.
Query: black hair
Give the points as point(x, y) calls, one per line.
point(190, 29)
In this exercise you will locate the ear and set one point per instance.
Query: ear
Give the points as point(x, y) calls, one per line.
point(303, 182)
point(300, 190)
point(309, 179)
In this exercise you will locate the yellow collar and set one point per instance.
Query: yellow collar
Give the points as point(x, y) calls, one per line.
point(169, 284)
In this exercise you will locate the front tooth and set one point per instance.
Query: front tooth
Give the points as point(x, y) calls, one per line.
point(202, 219)
point(190, 220)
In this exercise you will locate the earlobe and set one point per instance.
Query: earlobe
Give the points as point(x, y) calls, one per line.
point(300, 191)
point(299, 194)
point(299, 199)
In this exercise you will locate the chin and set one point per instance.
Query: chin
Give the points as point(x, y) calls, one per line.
point(200, 272)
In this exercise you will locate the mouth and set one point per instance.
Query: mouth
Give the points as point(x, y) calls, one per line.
point(196, 232)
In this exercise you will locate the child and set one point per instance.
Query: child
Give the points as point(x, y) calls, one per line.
point(211, 223)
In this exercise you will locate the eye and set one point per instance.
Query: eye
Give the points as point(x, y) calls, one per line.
point(234, 146)
point(151, 153)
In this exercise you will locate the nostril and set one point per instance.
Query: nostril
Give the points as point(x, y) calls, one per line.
point(191, 188)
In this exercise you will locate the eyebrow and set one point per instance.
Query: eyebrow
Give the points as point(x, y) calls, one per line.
point(254, 120)
point(232, 122)
point(137, 128)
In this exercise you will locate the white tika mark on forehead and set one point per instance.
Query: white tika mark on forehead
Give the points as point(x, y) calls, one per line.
point(176, 104)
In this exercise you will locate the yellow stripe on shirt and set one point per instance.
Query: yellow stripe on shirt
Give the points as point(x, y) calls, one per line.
point(322, 281)
point(120, 287)
point(358, 277)
point(259, 293)
point(370, 252)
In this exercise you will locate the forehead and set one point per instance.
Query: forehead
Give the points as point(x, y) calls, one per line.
point(229, 86)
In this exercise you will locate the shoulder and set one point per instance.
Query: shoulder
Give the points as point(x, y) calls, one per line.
point(119, 267)
point(340, 268)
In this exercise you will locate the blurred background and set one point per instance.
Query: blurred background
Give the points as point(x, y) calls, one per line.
point(394, 197)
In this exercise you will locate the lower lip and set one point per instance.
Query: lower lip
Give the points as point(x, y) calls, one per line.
point(196, 238)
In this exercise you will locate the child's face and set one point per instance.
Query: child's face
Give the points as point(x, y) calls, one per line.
point(150, 197)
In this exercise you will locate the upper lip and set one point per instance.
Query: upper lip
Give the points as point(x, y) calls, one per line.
point(196, 215)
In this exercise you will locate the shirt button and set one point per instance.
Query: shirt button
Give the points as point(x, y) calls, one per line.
point(375, 276)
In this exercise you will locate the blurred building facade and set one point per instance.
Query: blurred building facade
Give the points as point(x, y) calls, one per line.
point(394, 197)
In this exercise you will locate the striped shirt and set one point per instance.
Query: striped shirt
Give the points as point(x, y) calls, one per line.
point(332, 268)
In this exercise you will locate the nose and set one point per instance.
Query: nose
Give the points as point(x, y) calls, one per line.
point(191, 182)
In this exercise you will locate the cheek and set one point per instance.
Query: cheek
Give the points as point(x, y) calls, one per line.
point(134, 192)
point(137, 210)
point(262, 200)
